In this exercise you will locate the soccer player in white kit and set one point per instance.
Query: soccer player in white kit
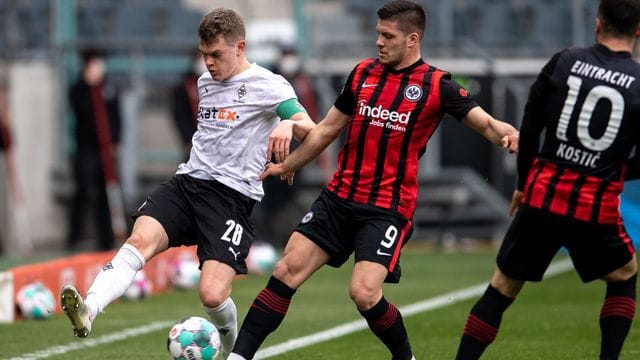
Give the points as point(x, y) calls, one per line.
point(209, 201)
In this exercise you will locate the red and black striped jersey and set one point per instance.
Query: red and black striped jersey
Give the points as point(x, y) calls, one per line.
point(588, 102)
point(394, 113)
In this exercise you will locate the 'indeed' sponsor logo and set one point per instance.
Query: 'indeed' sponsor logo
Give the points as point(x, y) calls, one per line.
point(382, 114)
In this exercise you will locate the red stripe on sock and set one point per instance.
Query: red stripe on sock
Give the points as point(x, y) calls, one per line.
point(271, 297)
point(387, 319)
point(622, 306)
point(273, 301)
point(480, 330)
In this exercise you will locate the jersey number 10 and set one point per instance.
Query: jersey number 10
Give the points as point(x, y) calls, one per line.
point(586, 111)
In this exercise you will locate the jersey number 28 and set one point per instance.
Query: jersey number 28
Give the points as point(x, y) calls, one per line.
point(233, 233)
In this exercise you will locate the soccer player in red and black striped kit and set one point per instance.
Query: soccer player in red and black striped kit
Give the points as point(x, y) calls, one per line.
point(588, 100)
point(390, 106)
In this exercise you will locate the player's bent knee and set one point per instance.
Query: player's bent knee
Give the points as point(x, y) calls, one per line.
point(136, 240)
point(285, 272)
point(295, 268)
point(148, 245)
point(624, 273)
point(505, 285)
point(363, 297)
point(144, 245)
point(212, 298)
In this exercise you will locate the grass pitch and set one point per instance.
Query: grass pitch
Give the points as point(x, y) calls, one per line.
point(555, 319)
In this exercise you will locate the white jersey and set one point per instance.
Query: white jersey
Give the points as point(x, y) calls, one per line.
point(235, 118)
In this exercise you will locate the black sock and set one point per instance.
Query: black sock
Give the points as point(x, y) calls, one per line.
point(385, 321)
point(616, 315)
point(482, 324)
point(264, 316)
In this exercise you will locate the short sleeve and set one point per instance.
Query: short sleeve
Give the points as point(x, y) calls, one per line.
point(346, 101)
point(274, 89)
point(454, 99)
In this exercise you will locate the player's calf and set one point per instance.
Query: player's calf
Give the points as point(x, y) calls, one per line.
point(616, 316)
point(385, 321)
point(265, 315)
point(482, 324)
point(224, 318)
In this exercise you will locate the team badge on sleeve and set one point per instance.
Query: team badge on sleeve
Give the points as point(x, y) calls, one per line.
point(307, 217)
point(413, 93)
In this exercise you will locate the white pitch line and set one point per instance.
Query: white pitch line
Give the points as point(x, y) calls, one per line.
point(408, 310)
point(293, 344)
point(88, 343)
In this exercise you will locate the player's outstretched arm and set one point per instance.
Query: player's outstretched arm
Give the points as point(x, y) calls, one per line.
point(313, 144)
point(498, 132)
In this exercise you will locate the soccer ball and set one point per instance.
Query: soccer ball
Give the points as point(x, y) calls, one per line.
point(184, 273)
point(139, 288)
point(262, 258)
point(193, 338)
point(35, 301)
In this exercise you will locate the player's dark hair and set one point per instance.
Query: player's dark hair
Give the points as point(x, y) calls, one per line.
point(88, 55)
point(410, 15)
point(619, 17)
point(223, 22)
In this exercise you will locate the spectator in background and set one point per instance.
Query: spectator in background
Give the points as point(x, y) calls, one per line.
point(5, 143)
point(276, 215)
point(290, 66)
point(4, 128)
point(184, 106)
point(4, 120)
point(96, 140)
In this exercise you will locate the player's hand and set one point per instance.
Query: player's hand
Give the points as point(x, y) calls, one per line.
point(288, 177)
point(280, 141)
point(516, 200)
point(510, 142)
point(279, 169)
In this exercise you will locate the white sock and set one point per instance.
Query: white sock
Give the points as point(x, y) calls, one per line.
point(114, 279)
point(234, 356)
point(225, 319)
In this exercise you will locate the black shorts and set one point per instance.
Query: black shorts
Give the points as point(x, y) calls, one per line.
point(342, 227)
point(205, 213)
point(535, 236)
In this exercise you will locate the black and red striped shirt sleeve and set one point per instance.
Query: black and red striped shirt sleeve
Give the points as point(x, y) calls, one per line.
point(346, 101)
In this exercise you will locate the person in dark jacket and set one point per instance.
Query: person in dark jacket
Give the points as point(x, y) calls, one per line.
point(96, 110)
point(184, 106)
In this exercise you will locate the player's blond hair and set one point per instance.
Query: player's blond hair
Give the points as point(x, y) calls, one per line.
point(223, 22)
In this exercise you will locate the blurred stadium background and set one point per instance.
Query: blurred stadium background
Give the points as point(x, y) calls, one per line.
point(493, 47)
